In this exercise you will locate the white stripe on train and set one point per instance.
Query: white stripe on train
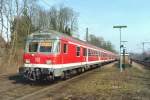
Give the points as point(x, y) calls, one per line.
point(57, 66)
point(58, 69)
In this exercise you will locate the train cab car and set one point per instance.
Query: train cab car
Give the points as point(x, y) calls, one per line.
point(51, 54)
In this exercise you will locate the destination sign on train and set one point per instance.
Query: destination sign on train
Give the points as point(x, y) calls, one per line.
point(45, 44)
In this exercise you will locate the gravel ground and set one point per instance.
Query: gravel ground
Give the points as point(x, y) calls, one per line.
point(14, 86)
point(107, 83)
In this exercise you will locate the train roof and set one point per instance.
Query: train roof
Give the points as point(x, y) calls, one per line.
point(58, 35)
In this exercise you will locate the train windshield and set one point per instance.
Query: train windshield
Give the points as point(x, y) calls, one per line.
point(45, 46)
point(49, 46)
point(33, 47)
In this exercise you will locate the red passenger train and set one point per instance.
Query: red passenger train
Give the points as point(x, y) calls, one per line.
point(53, 54)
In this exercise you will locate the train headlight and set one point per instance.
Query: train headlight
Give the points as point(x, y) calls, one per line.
point(27, 61)
point(48, 62)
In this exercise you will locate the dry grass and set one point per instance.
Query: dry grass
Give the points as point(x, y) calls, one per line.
point(107, 84)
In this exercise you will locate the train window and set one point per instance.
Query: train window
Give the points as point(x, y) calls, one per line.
point(84, 52)
point(97, 53)
point(56, 47)
point(65, 49)
point(89, 52)
point(100, 54)
point(45, 46)
point(33, 47)
point(92, 53)
point(103, 54)
point(77, 51)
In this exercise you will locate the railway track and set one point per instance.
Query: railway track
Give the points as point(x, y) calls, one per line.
point(6, 84)
point(28, 91)
point(49, 89)
point(146, 64)
point(12, 87)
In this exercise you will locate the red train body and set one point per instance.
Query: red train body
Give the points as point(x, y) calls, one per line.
point(52, 54)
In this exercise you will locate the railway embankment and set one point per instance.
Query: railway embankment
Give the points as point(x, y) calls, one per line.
point(107, 83)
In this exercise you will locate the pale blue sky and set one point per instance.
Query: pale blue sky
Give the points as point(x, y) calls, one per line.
point(100, 16)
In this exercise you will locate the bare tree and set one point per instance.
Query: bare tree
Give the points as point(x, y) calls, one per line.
point(1, 16)
point(67, 18)
point(18, 18)
point(63, 19)
point(53, 18)
point(100, 42)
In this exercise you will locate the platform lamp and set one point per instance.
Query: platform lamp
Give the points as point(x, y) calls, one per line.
point(120, 27)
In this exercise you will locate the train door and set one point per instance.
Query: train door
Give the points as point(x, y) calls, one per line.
point(65, 52)
point(99, 56)
point(85, 55)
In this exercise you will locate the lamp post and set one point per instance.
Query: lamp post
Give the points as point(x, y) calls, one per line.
point(120, 27)
point(124, 53)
